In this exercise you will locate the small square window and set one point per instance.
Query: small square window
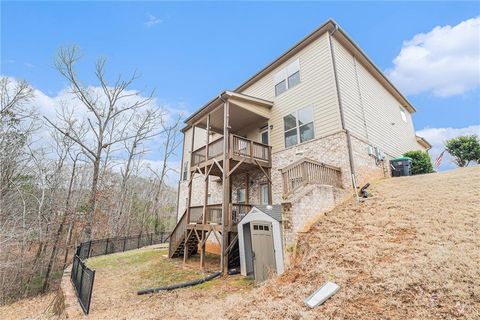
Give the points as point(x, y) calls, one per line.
point(260, 227)
point(265, 228)
point(255, 227)
point(280, 87)
point(294, 79)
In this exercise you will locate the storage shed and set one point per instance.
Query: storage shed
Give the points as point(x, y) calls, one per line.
point(260, 242)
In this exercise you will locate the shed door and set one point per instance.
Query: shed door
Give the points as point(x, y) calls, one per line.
point(263, 251)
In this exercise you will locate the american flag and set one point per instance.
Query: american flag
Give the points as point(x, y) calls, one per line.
point(439, 159)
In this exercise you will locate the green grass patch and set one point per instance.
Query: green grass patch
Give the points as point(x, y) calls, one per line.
point(125, 259)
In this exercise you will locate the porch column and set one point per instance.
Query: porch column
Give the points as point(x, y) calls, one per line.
point(189, 201)
point(205, 202)
point(270, 200)
point(226, 188)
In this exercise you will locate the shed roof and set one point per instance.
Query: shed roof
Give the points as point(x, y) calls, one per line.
point(275, 211)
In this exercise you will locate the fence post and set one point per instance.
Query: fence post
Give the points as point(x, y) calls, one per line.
point(89, 248)
point(81, 280)
point(91, 290)
point(124, 240)
point(106, 247)
point(151, 238)
point(138, 242)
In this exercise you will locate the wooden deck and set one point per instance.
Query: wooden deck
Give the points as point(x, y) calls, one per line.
point(243, 154)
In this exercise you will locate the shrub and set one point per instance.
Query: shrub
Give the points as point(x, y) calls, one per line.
point(464, 149)
point(421, 162)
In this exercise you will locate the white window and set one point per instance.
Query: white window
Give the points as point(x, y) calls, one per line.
point(264, 193)
point(241, 195)
point(185, 171)
point(402, 113)
point(298, 127)
point(287, 78)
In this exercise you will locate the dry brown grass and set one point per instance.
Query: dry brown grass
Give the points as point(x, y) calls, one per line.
point(39, 307)
point(410, 252)
point(119, 276)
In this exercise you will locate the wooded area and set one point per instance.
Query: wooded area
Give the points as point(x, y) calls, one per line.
point(80, 175)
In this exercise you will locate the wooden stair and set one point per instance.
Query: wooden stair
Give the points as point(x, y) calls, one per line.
point(177, 237)
point(192, 247)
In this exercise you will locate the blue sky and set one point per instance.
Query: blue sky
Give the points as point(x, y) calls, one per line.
point(190, 52)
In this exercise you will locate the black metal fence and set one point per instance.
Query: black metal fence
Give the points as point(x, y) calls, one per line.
point(102, 247)
point(82, 277)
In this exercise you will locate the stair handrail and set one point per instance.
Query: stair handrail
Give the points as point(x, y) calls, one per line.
point(305, 171)
point(174, 242)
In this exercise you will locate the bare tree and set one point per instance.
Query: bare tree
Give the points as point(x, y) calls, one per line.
point(145, 126)
point(103, 106)
point(171, 142)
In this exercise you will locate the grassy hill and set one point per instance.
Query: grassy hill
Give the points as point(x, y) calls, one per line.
point(410, 251)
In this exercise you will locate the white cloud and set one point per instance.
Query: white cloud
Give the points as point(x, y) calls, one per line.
point(445, 61)
point(438, 136)
point(152, 20)
point(48, 106)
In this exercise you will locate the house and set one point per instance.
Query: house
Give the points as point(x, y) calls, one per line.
point(304, 132)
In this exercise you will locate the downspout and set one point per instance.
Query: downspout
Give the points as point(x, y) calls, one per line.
point(342, 117)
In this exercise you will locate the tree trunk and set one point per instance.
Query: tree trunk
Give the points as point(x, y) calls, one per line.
point(87, 231)
point(60, 229)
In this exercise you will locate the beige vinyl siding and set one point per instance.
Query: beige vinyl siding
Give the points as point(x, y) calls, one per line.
point(316, 89)
point(384, 123)
point(349, 91)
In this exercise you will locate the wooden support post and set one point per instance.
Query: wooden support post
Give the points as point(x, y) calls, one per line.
point(247, 189)
point(189, 201)
point(191, 177)
point(185, 247)
point(205, 202)
point(226, 187)
point(270, 200)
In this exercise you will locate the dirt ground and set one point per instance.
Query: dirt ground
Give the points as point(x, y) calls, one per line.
point(410, 251)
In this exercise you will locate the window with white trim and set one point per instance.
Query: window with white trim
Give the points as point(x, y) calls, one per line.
point(298, 127)
point(185, 171)
point(287, 78)
point(403, 114)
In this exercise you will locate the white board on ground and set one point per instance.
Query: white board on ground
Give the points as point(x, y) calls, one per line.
point(322, 294)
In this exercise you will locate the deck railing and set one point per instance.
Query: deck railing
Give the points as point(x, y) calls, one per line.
point(250, 149)
point(305, 171)
point(214, 213)
point(239, 146)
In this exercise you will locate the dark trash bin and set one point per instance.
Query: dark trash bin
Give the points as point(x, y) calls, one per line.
point(401, 166)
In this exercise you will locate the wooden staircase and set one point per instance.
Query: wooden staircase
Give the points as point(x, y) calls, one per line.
point(192, 247)
point(177, 237)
